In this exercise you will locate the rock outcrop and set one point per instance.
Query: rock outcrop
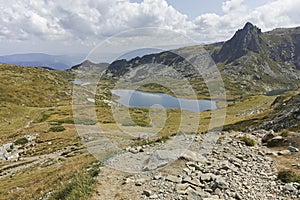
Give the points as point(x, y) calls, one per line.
point(247, 39)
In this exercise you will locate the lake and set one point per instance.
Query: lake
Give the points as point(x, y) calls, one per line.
point(138, 99)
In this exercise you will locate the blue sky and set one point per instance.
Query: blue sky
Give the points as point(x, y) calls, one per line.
point(76, 26)
point(194, 8)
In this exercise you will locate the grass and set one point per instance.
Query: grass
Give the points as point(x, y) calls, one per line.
point(21, 141)
point(35, 182)
point(248, 141)
point(79, 186)
point(58, 128)
point(288, 176)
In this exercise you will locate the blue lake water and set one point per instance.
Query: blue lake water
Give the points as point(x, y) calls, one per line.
point(138, 99)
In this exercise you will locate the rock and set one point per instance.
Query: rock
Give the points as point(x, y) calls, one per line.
point(133, 150)
point(157, 177)
point(221, 183)
point(154, 196)
point(193, 156)
point(147, 193)
point(238, 196)
point(193, 195)
point(218, 191)
point(284, 152)
point(293, 149)
point(277, 141)
point(173, 179)
point(9, 151)
point(289, 187)
point(195, 182)
point(267, 137)
point(181, 188)
point(193, 165)
point(207, 177)
point(30, 138)
point(139, 182)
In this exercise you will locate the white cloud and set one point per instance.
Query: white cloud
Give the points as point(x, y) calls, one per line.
point(90, 21)
point(277, 14)
point(82, 20)
point(232, 6)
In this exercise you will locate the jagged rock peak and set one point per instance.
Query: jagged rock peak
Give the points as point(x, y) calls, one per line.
point(249, 26)
point(244, 40)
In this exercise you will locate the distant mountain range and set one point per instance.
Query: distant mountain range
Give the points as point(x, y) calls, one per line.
point(58, 62)
point(251, 60)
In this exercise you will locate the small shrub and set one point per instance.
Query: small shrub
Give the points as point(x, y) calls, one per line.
point(288, 176)
point(42, 118)
point(285, 133)
point(65, 121)
point(57, 128)
point(248, 141)
point(85, 121)
point(21, 141)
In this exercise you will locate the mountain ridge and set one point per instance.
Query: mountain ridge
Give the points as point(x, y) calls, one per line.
point(251, 58)
point(58, 62)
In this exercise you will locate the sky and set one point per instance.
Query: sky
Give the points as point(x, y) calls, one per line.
point(77, 26)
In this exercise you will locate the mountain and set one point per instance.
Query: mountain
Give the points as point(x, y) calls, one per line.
point(266, 61)
point(247, 39)
point(59, 62)
point(251, 61)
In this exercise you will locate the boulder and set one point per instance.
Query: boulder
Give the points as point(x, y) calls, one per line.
point(293, 149)
point(277, 141)
point(147, 193)
point(267, 137)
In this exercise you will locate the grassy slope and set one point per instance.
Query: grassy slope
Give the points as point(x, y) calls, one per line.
point(31, 99)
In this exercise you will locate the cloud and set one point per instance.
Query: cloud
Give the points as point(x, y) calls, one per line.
point(232, 6)
point(88, 22)
point(276, 13)
point(82, 20)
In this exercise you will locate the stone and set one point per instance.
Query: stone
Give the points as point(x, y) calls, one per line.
point(207, 177)
point(284, 152)
point(289, 187)
point(293, 149)
point(154, 196)
point(147, 193)
point(221, 182)
point(195, 182)
point(182, 188)
point(157, 177)
point(277, 142)
point(193, 195)
point(267, 137)
point(133, 150)
point(139, 182)
point(173, 179)
point(193, 165)
point(218, 191)
point(193, 156)
point(238, 196)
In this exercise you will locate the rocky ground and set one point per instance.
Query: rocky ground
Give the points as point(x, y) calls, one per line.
point(232, 170)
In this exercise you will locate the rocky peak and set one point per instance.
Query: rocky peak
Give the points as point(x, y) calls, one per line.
point(244, 40)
